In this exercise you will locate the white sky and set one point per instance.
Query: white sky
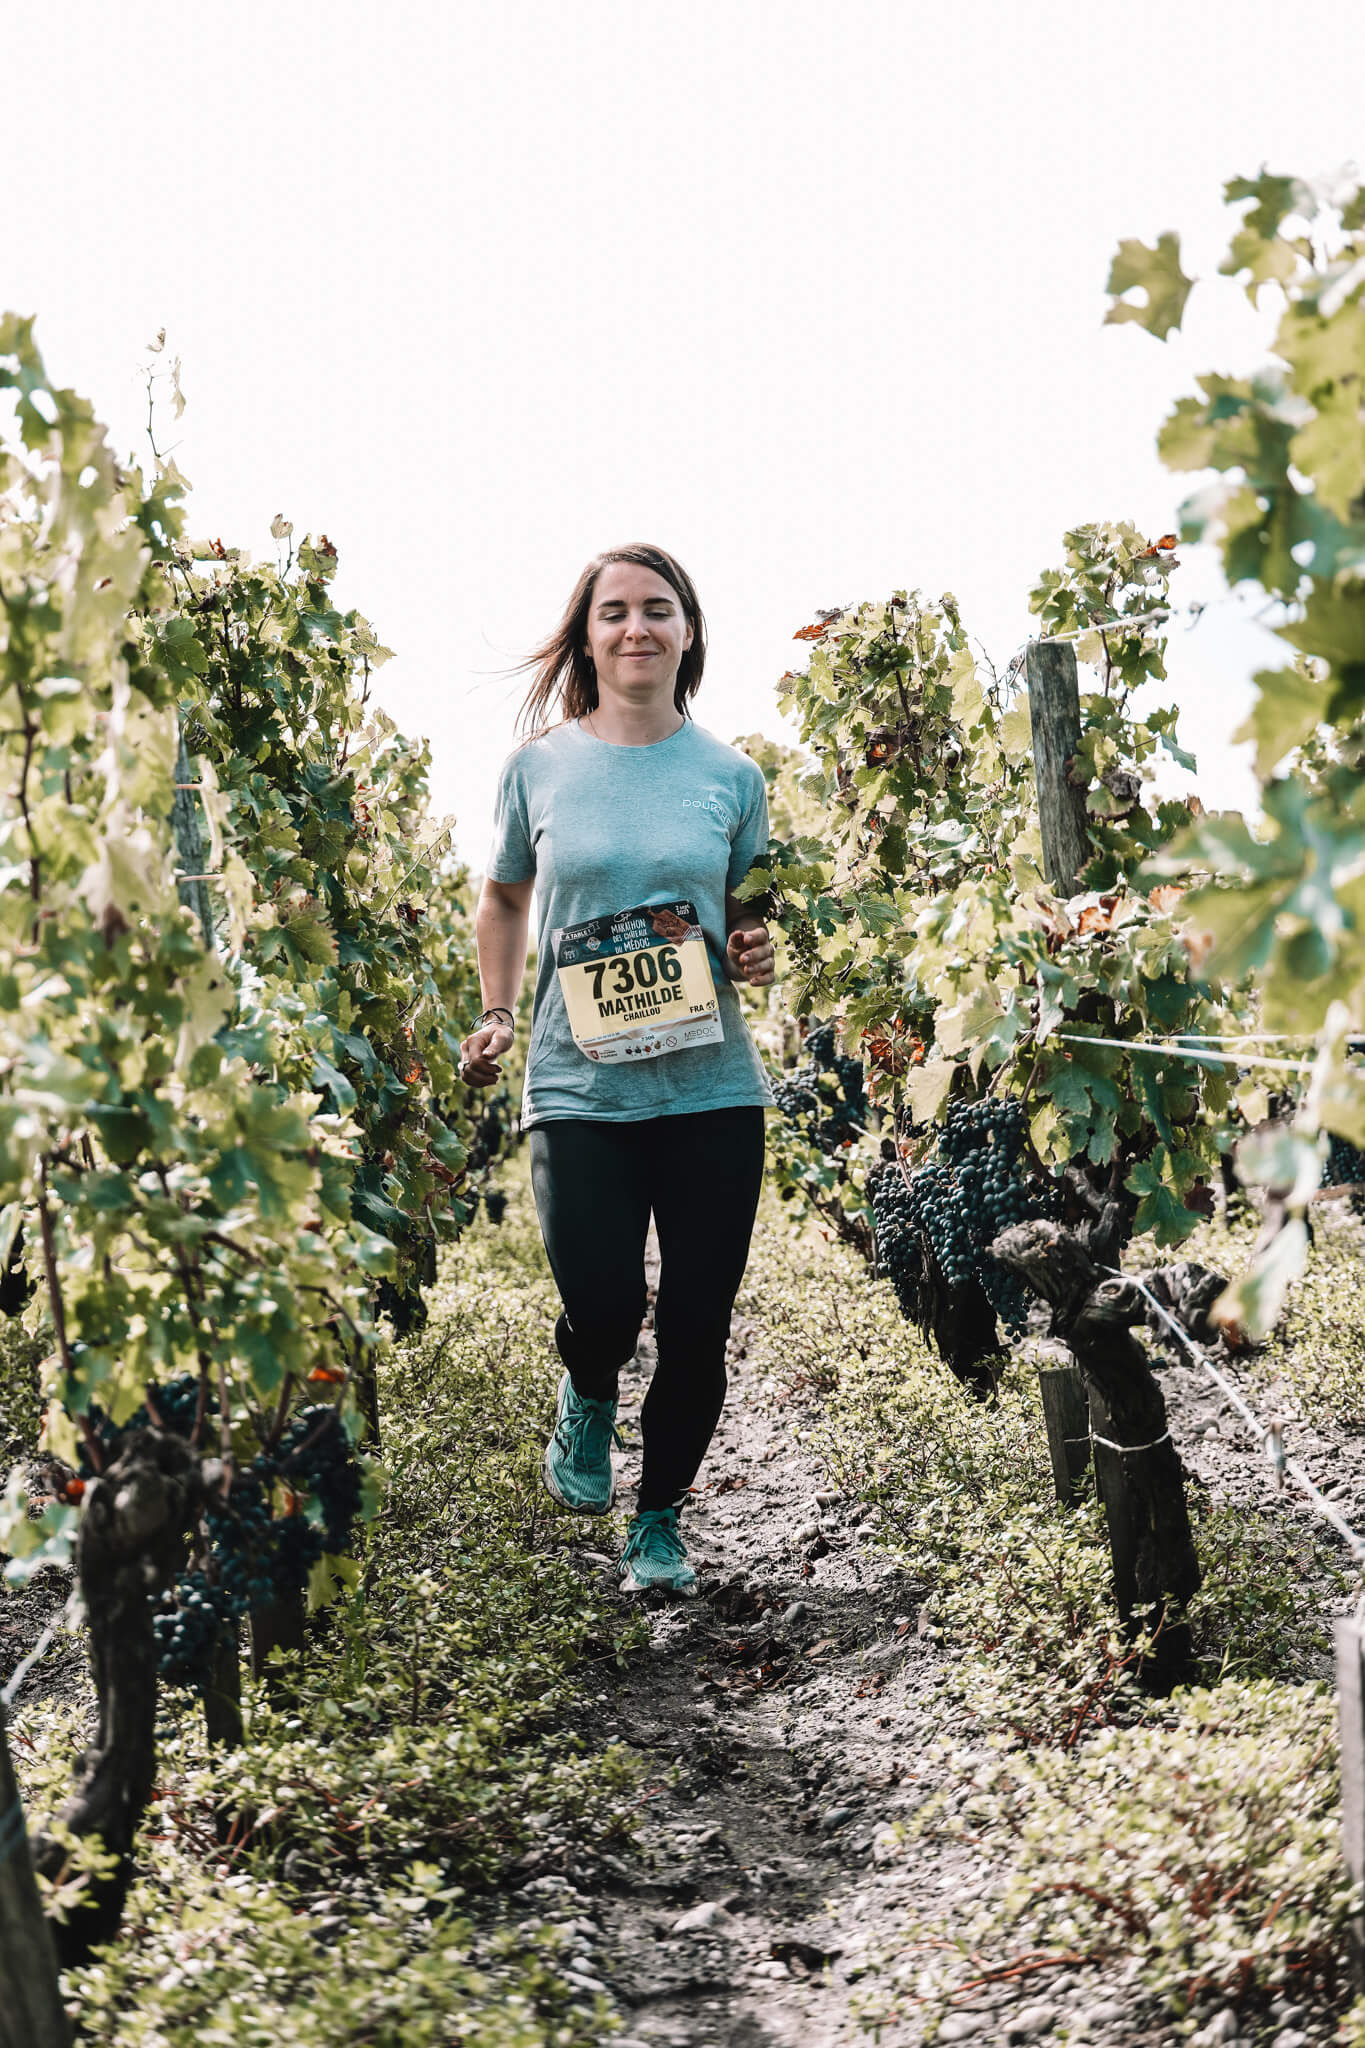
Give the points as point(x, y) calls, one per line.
point(811, 295)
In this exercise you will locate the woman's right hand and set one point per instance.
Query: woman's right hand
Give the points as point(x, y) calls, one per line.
point(479, 1054)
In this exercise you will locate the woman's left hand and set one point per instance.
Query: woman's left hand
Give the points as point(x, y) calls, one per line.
point(749, 955)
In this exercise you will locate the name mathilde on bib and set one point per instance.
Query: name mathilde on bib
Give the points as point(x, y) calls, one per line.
point(638, 983)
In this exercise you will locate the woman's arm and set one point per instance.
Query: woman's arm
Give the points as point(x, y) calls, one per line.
point(748, 948)
point(501, 924)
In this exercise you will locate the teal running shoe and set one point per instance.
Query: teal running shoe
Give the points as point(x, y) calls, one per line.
point(655, 1557)
point(577, 1464)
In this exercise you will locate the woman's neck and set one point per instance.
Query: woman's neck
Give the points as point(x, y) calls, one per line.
point(632, 725)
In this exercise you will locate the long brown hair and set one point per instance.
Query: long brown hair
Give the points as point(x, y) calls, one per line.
point(565, 672)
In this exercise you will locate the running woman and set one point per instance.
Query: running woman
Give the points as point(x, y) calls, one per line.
point(644, 1091)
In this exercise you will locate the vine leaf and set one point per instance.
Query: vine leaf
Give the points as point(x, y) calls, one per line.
point(1157, 272)
point(1288, 710)
point(928, 1088)
point(1160, 1209)
point(1253, 1303)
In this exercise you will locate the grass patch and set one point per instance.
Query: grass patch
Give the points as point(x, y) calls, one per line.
point(1189, 1845)
point(20, 1406)
point(1316, 1354)
point(338, 1879)
point(1199, 1860)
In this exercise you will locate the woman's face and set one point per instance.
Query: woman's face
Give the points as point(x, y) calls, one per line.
point(637, 633)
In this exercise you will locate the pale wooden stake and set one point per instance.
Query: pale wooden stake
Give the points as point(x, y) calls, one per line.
point(1351, 1710)
point(1112, 1481)
point(276, 1625)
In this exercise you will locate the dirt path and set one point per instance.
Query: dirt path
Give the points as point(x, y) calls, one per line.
point(791, 1716)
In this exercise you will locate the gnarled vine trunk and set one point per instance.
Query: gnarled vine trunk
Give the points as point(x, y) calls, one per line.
point(1137, 1466)
point(130, 1547)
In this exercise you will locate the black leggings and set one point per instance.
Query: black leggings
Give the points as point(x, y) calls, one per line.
point(595, 1185)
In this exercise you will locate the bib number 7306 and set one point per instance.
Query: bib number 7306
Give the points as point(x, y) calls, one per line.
point(637, 984)
point(630, 971)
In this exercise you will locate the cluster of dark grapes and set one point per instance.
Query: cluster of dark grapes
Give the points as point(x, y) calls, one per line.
point(899, 1256)
point(316, 1450)
point(253, 1555)
point(238, 1575)
point(492, 1126)
point(958, 1202)
point(1344, 1167)
point(825, 1099)
point(1343, 1164)
point(176, 1405)
point(187, 1624)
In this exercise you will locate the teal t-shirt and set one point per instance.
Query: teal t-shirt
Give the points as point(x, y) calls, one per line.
point(604, 829)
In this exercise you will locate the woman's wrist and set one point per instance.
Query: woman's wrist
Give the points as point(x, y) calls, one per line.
point(497, 1013)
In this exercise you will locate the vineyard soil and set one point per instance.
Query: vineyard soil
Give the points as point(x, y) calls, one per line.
point(784, 1728)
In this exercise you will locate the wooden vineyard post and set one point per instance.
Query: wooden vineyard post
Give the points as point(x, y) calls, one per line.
point(1054, 703)
point(1111, 1481)
point(276, 1624)
point(1067, 1415)
point(1350, 1643)
point(31, 2011)
point(223, 1693)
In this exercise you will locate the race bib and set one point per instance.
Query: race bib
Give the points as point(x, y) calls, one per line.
point(638, 984)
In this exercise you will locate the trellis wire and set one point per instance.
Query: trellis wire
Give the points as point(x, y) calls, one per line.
point(1167, 1050)
point(1270, 1434)
point(1124, 622)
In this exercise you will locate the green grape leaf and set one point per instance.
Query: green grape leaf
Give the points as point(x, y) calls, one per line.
point(124, 1133)
point(310, 939)
point(1253, 1303)
point(325, 1075)
point(374, 1253)
point(1279, 1157)
point(1331, 450)
point(1275, 197)
point(360, 1050)
point(329, 1578)
point(1160, 1210)
point(1157, 272)
point(1266, 261)
point(34, 1542)
point(1186, 441)
point(267, 1134)
point(1290, 705)
point(927, 1089)
point(1333, 628)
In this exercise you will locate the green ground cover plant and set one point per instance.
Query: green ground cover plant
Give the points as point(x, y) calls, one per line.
point(337, 1879)
point(20, 1401)
point(1314, 1358)
point(1199, 1858)
point(1190, 1843)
